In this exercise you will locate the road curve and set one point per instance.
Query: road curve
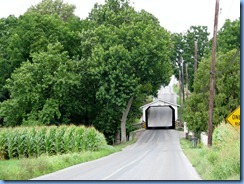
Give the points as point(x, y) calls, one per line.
point(155, 156)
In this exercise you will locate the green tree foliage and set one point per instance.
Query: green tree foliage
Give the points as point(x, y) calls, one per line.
point(227, 91)
point(200, 34)
point(227, 82)
point(41, 91)
point(60, 69)
point(32, 32)
point(37, 31)
point(11, 49)
point(54, 7)
point(126, 49)
point(176, 51)
point(184, 47)
point(139, 33)
point(229, 36)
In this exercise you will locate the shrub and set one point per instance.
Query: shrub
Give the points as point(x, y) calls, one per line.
point(226, 141)
point(226, 147)
point(224, 135)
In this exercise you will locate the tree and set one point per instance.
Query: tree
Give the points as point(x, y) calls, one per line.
point(64, 11)
point(229, 36)
point(227, 91)
point(177, 40)
point(57, 22)
point(32, 32)
point(127, 49)
point(37, 31)
point(89, 72)
point(42, 91)
point(184, 47)
point(11, 49)
point(227, 83)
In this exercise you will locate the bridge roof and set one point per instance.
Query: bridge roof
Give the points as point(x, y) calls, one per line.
point(159, 102)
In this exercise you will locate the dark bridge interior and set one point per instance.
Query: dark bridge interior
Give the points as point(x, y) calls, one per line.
point(160, 117)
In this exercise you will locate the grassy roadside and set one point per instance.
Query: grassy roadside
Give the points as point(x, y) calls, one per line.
point(222, 160)
point(28, 168)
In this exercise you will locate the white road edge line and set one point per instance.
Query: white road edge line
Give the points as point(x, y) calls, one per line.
point(130, 163)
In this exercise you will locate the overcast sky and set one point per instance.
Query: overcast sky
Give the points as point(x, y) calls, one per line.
point(174, 15)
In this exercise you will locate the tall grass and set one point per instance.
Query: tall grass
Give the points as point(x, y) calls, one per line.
point(222, 160)
point(226, 141)
point(27, 142)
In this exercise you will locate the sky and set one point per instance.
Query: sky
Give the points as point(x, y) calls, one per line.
point(174, 15)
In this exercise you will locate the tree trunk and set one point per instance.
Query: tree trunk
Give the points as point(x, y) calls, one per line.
point(123, 120)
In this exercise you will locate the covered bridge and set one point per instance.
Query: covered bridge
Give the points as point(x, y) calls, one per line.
point(160, 114)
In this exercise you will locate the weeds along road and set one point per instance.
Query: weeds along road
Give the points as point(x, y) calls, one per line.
point(155, 156)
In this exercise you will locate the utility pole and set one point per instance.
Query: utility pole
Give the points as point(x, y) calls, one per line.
point(195, 59)
point(186, 80)
point(182, 79)
point(180, 95)
point(182, 99)
point(212, 75)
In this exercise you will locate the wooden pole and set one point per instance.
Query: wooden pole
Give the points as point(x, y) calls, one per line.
point(195, 59)
point(186, 80)
point(182, 79)
point(180, 95)
point(212, 75)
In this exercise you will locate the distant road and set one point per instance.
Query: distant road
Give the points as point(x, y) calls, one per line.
point(166, 93)
point(155, 156)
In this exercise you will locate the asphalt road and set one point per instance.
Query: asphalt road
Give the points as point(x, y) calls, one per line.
point(155, 156)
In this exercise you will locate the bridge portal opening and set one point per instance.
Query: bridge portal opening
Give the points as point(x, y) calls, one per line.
point(160, 117)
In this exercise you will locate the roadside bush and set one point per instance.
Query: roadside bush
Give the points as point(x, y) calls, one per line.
point(222, 160)
point(226, 142)
point(225, 135)
point(27, 142)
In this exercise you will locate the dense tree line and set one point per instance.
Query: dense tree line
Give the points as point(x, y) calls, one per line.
point(183, 46)
point(183, 50)
point(227, 84)
point(58, 69)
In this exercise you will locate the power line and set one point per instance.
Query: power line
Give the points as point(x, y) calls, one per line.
point(233, 59)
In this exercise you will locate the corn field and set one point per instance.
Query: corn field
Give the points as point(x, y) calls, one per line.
point(27, 142)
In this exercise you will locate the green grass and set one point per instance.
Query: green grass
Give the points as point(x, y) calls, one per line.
point(222, 160)
point(28, 168)
point(196, 157)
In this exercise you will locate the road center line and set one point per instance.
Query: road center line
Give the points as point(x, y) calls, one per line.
point(130, 163)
